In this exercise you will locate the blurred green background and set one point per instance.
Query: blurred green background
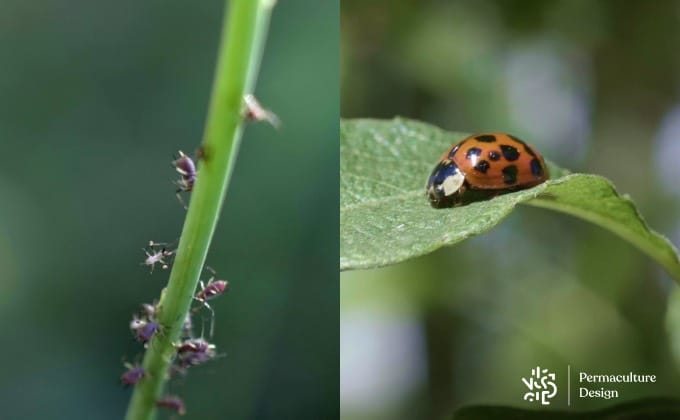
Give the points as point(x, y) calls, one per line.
point(96, 98)
point(595, 86)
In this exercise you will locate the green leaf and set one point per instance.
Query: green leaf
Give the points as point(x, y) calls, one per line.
point(385, 217)
point(673, 324)
point(650, 408)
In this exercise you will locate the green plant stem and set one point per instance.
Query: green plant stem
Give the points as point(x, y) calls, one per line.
point(242, 42)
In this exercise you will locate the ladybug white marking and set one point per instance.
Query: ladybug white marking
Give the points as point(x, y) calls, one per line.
point(452, 183)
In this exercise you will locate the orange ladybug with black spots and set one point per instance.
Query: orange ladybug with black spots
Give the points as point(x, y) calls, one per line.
point(483, 166)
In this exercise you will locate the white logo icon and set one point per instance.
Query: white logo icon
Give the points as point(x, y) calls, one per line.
point(541, 386)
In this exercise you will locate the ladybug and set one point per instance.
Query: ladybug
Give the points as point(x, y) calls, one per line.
point(483, 166)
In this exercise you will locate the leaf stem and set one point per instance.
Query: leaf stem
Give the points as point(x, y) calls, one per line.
point(242, 42)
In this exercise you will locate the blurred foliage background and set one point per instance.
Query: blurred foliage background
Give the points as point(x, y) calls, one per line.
point(96, 98)
point(595, 86)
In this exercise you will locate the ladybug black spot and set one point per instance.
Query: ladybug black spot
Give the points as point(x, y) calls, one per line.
point(536, 168)
point(526, 146)
point(509, 152)
point(453, 151)
point(510, 174)
point(529, 151)
point(482, 166)
point(517, 140)
point(473, 151)
point(494, 155)
point(486, 138)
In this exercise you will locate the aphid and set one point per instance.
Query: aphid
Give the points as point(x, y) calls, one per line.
point(147, 331)
point(194, 345)
point(144, 330)
point(209, 291)
point(154, 257)
point(172, 402)
point(256, 112)
point(137, 323)
point(483, 166)
point(187, 169)
point(194, 351)
point(132, 375)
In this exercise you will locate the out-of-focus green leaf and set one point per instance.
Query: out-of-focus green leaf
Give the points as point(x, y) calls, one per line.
point(385, 217)
point(653, 408)
point(673, 324)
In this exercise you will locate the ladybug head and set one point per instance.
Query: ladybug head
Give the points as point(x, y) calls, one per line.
point(444, 185)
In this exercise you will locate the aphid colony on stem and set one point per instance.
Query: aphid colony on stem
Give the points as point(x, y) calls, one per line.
point(190, 351)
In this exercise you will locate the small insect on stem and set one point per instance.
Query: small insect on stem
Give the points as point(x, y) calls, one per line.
point(147, 331)
point(144, 329)
point(194, 351)
point(187, 170)
point(136, 323)
point(172, 402)
point(154, 256)
point(132, 375)
point(256, 112)
point(208, 291)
